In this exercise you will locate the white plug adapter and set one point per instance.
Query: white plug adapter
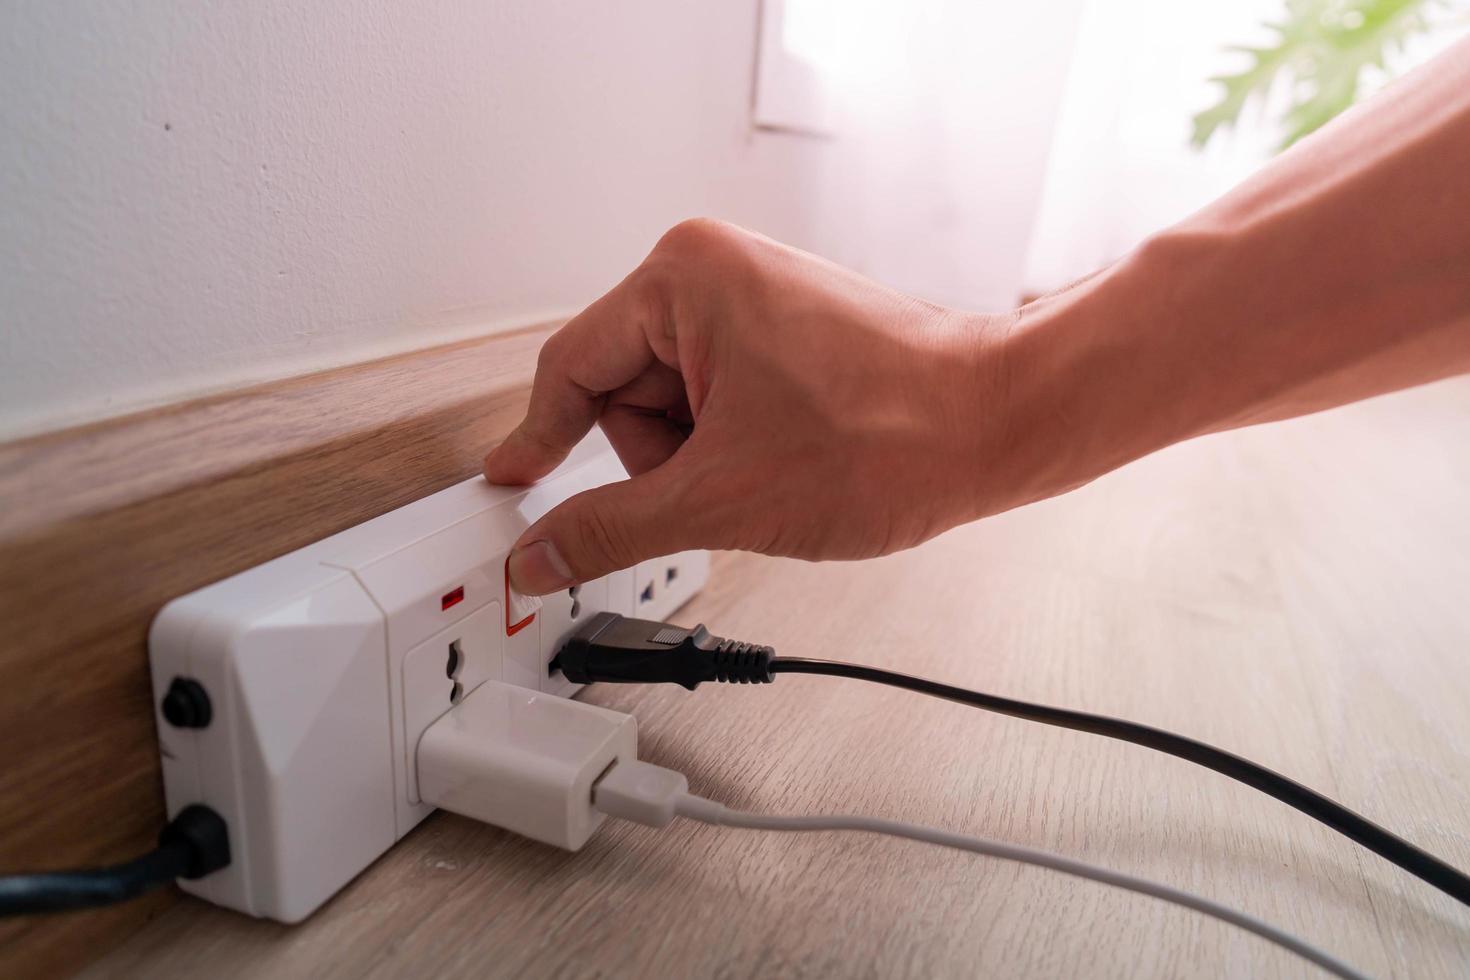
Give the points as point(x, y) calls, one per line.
point(524, 761)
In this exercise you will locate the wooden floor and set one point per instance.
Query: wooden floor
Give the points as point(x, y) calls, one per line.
point(1299, 594)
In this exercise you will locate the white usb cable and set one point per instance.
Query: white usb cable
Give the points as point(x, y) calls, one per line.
point(653, 796)
point(551, 768)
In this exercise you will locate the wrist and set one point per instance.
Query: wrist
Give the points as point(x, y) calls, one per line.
point(1095, 376)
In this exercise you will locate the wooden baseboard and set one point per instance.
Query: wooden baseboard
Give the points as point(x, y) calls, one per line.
point(104, 523)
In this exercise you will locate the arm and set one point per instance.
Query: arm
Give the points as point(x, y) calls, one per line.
point(766, 400)
point(1340, 271)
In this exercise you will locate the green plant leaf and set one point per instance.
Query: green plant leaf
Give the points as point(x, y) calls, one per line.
point(1322, 48)
point(1266, 63)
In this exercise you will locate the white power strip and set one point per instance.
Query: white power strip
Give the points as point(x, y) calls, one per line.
point(317, 673)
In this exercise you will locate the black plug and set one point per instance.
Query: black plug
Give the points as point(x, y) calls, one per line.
point(204, 838)
point(193, 844)
point(617, 650)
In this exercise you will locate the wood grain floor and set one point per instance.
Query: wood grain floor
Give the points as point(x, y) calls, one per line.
point(1298, 593)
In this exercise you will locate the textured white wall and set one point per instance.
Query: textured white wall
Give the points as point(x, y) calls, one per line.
point(193, 196)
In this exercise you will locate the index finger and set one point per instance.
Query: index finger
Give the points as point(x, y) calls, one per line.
point(599, 350)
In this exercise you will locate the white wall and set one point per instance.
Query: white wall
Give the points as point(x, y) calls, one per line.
point(195, 196)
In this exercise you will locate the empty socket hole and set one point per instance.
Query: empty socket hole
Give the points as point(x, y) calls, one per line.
point(456, 693)
point(670, 574)
point(456, 661)
point(647, 594)
point(576, 608)
point(574, 591)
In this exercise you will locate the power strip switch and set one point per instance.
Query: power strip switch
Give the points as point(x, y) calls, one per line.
point(292, 697)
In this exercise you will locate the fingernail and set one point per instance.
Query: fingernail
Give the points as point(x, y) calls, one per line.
point(538, 568)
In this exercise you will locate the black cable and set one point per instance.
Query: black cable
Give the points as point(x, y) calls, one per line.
point(1382, 842)
point(192, 845)
point(57, 891)
point(612, 648)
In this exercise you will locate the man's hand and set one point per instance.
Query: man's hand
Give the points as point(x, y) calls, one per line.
point(763, 400)
point(768, 401)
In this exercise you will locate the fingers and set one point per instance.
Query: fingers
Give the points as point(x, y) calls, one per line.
point(642, 439)
point(602, 530)
point(647, 421)
point(601, 349)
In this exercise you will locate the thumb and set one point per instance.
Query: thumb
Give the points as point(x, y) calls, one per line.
point(605, 529)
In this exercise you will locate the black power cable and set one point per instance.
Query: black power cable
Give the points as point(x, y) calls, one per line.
point(193, 844)
point(615, 649)
point(1382, 842)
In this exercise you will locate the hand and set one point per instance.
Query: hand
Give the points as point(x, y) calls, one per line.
point(768, 401)
point(762, 400)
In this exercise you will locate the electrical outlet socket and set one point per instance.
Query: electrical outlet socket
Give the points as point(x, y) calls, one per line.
point(323, 668)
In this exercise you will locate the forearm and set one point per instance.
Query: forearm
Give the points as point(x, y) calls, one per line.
point(1341, 271)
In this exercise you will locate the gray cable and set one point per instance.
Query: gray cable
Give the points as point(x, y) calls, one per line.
point(708, 811)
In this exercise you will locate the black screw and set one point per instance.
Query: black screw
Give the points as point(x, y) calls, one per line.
point(186, 705)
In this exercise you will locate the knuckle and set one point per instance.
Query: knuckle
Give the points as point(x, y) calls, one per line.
point(539, 441)
point(651, 287)
point(705, 250)
point(653, 280)
point(697, 239)
point(551, 352)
